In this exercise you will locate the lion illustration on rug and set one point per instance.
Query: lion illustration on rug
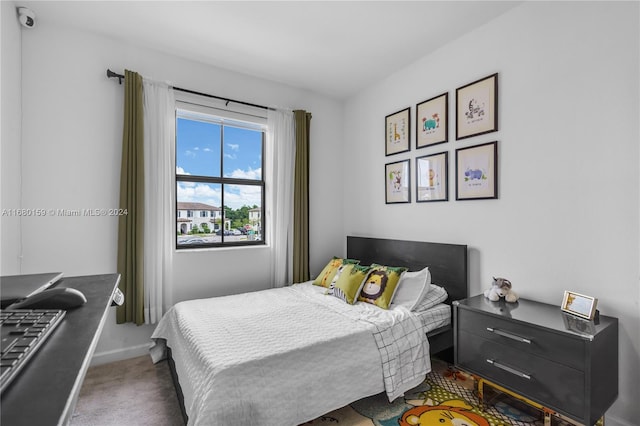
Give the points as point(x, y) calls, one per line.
point(448, 413)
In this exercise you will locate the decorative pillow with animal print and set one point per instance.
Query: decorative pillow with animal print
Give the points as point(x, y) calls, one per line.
point(348, 281)
point(329, 272)
point(380, 285)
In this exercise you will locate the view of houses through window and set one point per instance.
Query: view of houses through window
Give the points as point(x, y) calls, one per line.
point(219, 180)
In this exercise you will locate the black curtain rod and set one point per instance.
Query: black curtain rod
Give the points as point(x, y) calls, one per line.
point(120, 77)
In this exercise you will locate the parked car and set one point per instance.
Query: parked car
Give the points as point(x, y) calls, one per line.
point(193, 241)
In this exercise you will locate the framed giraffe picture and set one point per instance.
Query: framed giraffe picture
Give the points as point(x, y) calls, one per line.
point(397, 132)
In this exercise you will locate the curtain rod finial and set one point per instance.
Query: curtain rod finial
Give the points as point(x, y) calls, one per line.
point(111, 74)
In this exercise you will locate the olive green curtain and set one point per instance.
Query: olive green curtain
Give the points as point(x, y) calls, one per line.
point(302, 121)
point(130, 226)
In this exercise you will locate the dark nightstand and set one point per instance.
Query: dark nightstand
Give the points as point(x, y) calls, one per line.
point(534, 350)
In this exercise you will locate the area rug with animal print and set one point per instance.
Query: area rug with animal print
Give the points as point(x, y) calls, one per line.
point(447, 397)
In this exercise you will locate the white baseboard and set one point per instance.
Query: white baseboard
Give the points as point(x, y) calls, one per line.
point(119, 354)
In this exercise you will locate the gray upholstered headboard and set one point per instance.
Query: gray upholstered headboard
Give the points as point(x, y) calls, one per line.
point(447, 262)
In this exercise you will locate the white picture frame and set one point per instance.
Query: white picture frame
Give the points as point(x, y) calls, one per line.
point(579, 304)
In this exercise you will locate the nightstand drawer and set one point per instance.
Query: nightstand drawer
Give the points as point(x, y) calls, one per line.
point(556, 385)
point(524, 337)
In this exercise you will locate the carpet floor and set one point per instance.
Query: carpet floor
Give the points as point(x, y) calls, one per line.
point(136, 392)
point(133, 392)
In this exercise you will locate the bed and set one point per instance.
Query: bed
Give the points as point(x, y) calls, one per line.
point(286, 356)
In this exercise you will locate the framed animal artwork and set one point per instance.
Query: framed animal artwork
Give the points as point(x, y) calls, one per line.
point(432, 177)
point(477, 107)
point(477, 172)
point(397, 182)
point(397, 132)
point(432, 121)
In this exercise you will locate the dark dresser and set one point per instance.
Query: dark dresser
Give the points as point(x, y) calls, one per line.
point(536, 350)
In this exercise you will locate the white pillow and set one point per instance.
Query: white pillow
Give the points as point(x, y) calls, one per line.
point(435, 295)
point(412, 288)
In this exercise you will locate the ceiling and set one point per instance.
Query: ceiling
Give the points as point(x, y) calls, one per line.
point(336, 48)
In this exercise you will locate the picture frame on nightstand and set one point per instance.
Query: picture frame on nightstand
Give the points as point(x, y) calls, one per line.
point(579, 304)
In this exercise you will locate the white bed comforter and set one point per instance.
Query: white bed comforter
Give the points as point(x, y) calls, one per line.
point(285, 356)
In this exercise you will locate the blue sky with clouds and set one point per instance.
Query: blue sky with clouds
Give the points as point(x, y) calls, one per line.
point(198, 152)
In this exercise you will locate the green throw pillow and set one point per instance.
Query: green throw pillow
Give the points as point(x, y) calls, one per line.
point(380, 285)
point(326, 276)
point(347, 282)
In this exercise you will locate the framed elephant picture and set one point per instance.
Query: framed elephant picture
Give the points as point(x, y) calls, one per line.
point(432, 122)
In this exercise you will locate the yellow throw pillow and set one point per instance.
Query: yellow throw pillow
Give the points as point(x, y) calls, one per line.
point(348, 281)
point(329, 272)
point(380, 285)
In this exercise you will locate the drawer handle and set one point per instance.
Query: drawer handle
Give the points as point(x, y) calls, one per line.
point(509, 335)
point(509, 369)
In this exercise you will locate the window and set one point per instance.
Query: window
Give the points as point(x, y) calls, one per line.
point(219, 177)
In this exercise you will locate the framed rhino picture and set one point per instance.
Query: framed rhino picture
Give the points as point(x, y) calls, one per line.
point(432, 122)
point(477, 107)
point(477, 172)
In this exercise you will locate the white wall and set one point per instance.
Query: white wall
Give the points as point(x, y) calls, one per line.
point(10, 69)
point(567, 213)
point(71, 143)
point(567, 216)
